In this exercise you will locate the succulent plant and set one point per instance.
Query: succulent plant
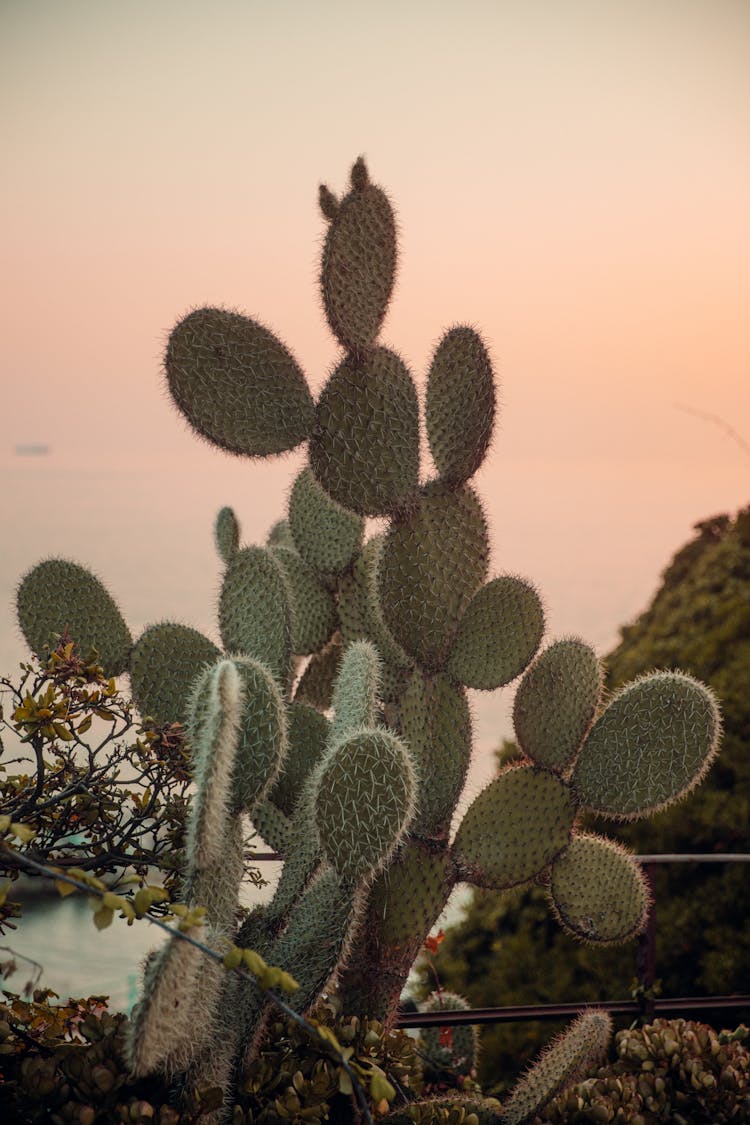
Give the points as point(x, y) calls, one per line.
point(670, 1070)
point(352, 766)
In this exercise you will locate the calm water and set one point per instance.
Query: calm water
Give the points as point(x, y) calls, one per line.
point(593, 538)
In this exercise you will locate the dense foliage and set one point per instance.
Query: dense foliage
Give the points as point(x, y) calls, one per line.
point(508, 950)
point(671, 1070)
point(64, 1062)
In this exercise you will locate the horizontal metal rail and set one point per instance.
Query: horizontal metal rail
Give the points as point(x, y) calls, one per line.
point(451, 1017)
point(648, 1006)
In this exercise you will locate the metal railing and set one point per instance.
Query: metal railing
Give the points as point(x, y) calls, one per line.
point(647, 1005)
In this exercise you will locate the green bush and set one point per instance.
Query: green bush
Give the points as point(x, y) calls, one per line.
point(507, 949)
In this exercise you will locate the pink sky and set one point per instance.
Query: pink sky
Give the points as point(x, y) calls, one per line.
point(572, 178)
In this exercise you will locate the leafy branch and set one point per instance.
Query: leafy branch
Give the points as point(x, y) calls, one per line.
point(245, 962)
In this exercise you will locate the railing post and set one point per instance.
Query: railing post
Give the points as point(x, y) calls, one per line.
point(646, 954)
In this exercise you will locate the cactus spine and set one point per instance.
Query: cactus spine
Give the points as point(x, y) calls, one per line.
point(394, 630)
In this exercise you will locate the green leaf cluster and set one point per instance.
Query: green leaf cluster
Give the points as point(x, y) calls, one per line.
point(671, 1070)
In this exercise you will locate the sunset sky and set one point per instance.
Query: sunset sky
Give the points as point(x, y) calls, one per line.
point(571, 177)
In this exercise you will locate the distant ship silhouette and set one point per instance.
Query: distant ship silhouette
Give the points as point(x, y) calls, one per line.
point(32, 449)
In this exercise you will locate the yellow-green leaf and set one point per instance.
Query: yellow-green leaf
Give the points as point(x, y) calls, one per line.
point(64, 889)
point(233, 958)
point(84, 724)
point(22, 832)
point(103, 917)
point(254, 962)
point(380, 1087)
point(287, 983)
point(112, 901)
point(328, 1035)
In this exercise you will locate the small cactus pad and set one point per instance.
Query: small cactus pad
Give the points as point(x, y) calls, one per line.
point(325, 534)
point(497, 635)
point(570, 1056)
point(514, 828)
point(313, 609)
point(355, 693)
point(598, 890)
point(262, 745)
point(359, 261)
point(448, 1057)
point(431, 567)
point(316, 682)
point(364, 448)
point(227, 534)
point(651, 746)
point(556, 701)
point(58, 595)
point(255, 611)
point(460, 406)
point(237, 384)
point(308, 732)
point(165, 663)
point(364, 801)
point(434, 720)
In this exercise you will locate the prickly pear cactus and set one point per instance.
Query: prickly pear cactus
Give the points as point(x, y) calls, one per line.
point(336, 713)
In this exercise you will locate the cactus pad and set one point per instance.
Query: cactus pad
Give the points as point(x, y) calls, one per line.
point(411, 893)
point(58, 595)
point(325, 534)
point(599, 891)
point(514, 828)
point(434, 720)
point(280, 535)
point(359, 261)
point(355, 693)
point(497, 635)
point(316, 682)
point(313, 945)
point(460, 406)
point(307, 735)
point(215, 714)
point(165, 663)
point(255, 611)
point(272, 825)
point(237, 384)
point(227, 534)
point(262, 744)
point(650, 747)
point(364, 448)
point(567, 1058)
point(447, 1058)
point(364, 801)
point(313, 610)
point(361, 618)
point(431, 567)
point(556, 701)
